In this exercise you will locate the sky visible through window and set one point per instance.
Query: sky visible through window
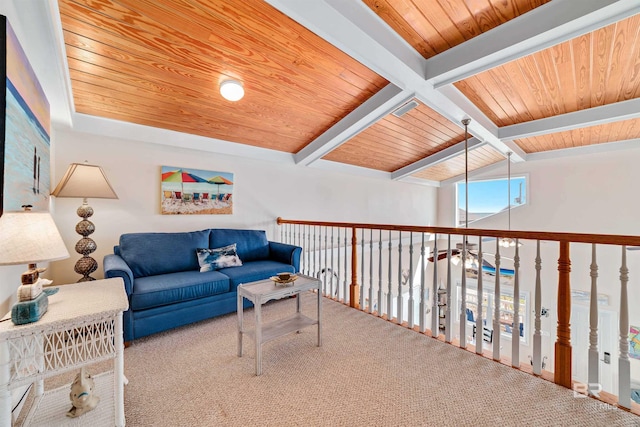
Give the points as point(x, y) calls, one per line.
point(490, 197)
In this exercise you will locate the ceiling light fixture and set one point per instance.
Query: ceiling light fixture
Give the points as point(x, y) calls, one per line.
point(231, 90)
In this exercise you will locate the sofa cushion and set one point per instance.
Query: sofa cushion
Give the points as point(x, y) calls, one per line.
point(251, 244)
point(150, 254)
point(155, 291)
point(255, 270)
point(215, 259)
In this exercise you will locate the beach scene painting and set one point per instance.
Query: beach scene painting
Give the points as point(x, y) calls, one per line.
point(25, 143)
point(187, 191)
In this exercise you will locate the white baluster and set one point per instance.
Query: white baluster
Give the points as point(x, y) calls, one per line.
point(346, 269)
point(537, 335)
point(309, 272)
point(380, 298)
point(315, 253)
point(338, 270)
point(515, 330)
point(371, 270)
point(362, 307)
point(389, 293)
point(399, 313)
point(480, 298)
point(327, 286)
point(496, 307)
point(423, 299)
point(624, 369)
point(410, 304)
point(594, 374)
point(435, 327)
point(463, 296)
point(333, 271)
point(447, 319)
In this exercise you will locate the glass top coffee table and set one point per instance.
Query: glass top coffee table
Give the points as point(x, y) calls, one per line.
point(261, 292)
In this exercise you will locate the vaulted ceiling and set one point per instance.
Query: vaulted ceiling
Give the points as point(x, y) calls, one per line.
point(379, 85)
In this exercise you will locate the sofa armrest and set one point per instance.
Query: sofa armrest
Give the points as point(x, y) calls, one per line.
point(288, 254)
point(115, 266)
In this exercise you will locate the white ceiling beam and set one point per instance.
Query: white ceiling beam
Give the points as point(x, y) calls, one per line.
point(624, 110)
point(540, 28)
point(436, 158)
point(367, 113)
point(480, 125)
point(420, 181)
point(356, 30)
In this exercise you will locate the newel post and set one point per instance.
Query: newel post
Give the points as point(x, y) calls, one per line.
point(353, 288)
point(562, 366)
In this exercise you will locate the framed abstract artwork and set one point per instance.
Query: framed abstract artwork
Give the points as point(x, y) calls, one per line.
point(24, 130)
point(195, 192)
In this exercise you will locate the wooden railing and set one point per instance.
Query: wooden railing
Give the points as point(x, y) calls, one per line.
point(360, 280)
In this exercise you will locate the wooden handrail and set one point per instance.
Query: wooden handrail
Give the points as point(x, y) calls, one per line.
point(563, 350)
point(603, 239)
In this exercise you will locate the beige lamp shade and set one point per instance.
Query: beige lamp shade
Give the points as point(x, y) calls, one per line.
point(29, 237)
point(84, 180)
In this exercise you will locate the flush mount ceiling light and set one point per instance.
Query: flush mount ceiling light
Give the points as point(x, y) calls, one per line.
point(231, 90)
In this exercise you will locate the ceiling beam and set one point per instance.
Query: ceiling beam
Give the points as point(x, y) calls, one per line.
point(356, 30)
point(624, 110)
point(540, 28)
point(436, 158)
point(367, 113)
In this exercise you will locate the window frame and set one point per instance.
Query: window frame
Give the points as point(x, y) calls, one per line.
point(456, 209)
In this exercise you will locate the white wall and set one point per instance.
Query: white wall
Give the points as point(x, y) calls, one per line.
point(593, 193)
point(263, 191)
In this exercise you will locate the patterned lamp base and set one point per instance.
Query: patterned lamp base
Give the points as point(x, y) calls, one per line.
point(85, 246)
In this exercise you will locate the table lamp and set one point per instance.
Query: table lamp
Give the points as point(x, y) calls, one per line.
point(85, 180)
point(29, 238)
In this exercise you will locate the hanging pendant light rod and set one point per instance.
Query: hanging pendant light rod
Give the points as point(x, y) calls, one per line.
point(466, 122)
point(509, 184)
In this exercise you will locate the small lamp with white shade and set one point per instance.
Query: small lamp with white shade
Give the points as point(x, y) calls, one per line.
point(29, 238)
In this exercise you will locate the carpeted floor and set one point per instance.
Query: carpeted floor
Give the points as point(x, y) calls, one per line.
point(368, 372)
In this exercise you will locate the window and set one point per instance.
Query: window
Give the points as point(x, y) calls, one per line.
point(489, 197)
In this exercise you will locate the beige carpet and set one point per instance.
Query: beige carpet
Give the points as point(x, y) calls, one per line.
point(368, 372)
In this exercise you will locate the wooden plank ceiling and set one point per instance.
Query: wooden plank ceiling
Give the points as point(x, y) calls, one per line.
point(593, 70)
point(159, 63)
point(394, 142)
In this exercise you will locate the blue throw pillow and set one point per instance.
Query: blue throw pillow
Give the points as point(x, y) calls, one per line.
point(215, 259)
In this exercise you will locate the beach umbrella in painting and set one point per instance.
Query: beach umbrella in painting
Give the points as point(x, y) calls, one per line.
point(181, 177)
point(218, 180)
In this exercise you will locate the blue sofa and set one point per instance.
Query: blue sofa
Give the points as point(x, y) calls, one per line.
point(164, 284)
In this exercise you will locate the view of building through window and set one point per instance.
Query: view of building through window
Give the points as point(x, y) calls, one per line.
point(489, 197)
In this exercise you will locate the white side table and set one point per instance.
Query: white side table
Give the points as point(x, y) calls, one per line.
point(83, 325)
point(263, 291)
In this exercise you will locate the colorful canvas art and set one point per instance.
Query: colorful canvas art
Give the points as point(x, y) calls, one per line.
point(24, 131)
point(634, 342)
point(194, 191)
